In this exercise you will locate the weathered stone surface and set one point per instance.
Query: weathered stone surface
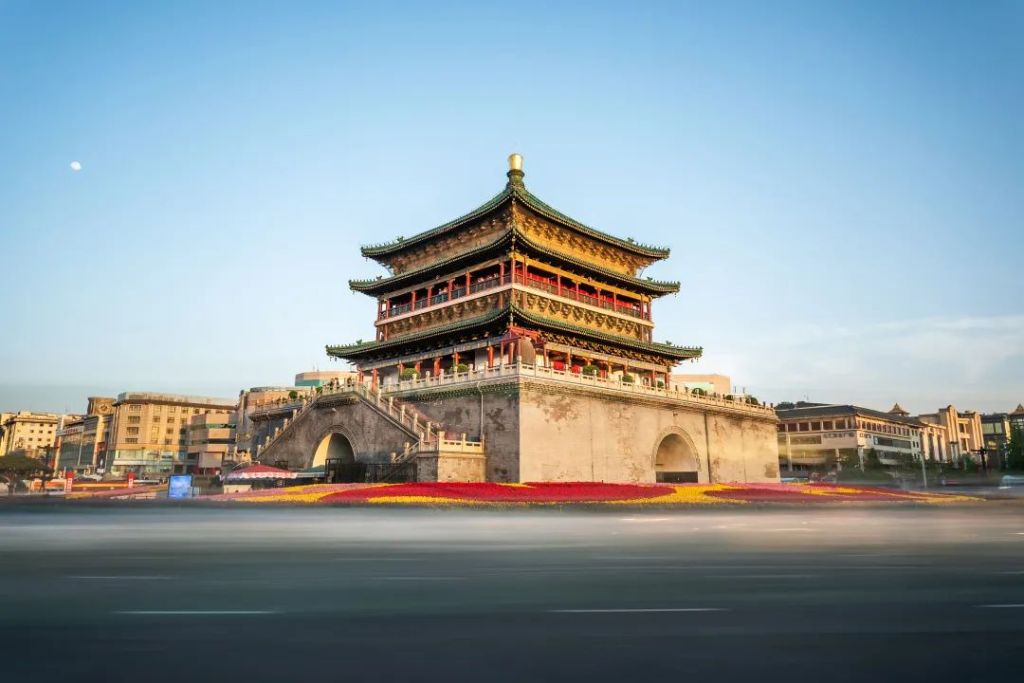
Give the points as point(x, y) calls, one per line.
point(535, 429)
point(373, 437)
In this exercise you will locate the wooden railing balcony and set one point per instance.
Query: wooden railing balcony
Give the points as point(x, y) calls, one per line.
point(529, 281)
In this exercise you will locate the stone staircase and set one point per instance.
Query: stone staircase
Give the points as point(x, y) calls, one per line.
point(423, 433)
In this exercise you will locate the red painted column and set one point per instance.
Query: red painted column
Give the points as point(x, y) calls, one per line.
point(490, 356)
point(413, 304)
point(501, 272)
point(374, 377)
point(558, 278)
point(467, 283)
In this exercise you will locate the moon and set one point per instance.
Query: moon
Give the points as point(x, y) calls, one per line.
point(76, 166)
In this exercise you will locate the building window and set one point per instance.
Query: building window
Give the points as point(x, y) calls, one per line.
point(169, 430)
point(815, 426)
point(172, 409)
point(132, 430)
point(134, 419)
point(132, 439)
point(135, 408)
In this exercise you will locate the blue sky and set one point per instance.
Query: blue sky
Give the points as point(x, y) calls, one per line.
point(840, 183)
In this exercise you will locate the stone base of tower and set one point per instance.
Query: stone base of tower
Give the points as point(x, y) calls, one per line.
point(541, 425)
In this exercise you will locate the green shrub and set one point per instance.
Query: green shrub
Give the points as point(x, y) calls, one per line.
point(409, 373)
point(589, 370)
point(699, 392)
point(293, 394)
point(628, 379)
point(752, 400)
point(461, 367)
point(661, 384)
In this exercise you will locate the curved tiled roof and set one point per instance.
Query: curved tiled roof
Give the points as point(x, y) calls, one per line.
point(359, 349)
point(671, 350)
point(382, 285)
point(515, 190)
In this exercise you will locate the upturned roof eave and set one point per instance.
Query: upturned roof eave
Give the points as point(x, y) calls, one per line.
point(381, 252)
point(383, 285)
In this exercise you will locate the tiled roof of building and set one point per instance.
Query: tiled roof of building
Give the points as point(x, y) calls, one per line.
point(1019, 410)
point(897, 409)
point(515, 190)
point(378, 286)
point(804, 411)
point(515, 313)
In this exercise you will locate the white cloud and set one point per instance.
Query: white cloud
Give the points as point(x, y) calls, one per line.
point(974, 362)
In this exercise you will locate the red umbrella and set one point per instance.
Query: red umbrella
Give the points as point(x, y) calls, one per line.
point(260, 472)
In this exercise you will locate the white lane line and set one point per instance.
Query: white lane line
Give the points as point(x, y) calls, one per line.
point(645, 519)
point(419, 578)
point(769, 576)
point(626, 610)
point(193, 612)
point(1005, 606)
point(127, 577)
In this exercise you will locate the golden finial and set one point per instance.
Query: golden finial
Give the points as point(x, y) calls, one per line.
point(515, 162)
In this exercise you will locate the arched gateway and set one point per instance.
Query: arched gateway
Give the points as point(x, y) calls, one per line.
point(335, 455)
point(676, 460)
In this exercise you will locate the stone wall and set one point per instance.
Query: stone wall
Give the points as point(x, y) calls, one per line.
point(373, 437)
point(457, 411)
point(538, 430)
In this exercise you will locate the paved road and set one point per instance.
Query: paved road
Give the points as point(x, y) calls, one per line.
point(157, 594)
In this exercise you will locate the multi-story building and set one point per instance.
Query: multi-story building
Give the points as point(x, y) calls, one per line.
point(211, 441)
point(816, 434)
point(1016, 418)
point(515, 343)
point(962, 431)
point(995, 431)
point(149, 432)
point(33, 433)
point(81, 443)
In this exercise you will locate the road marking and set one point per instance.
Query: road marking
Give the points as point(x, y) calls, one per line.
point(193, 612)
point(1005, 606)
point(121, 578)
point(624, 610)
point(419, 578)
point(644, 519)
point(769, 576)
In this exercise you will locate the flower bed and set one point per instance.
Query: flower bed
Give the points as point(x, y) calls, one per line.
point(556, 493)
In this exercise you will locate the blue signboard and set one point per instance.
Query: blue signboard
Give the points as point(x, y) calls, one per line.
point(179, 486)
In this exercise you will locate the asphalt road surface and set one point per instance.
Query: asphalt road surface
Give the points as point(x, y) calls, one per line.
point(333, 594)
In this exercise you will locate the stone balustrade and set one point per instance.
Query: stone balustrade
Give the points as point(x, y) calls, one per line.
point(610, 383)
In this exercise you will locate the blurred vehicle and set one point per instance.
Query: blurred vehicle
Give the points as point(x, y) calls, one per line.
point(1009, 480)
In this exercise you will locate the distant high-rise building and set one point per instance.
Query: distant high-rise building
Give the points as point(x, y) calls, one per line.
point(149, 432)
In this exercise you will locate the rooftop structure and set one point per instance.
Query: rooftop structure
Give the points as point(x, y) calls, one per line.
point(515, 344)
point(514, 277)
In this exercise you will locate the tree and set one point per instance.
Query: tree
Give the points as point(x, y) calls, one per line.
point(16, 465)
point(1015, 450)
point(871, 460)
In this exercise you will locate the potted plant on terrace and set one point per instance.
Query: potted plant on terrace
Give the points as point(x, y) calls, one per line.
point(590, 370)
